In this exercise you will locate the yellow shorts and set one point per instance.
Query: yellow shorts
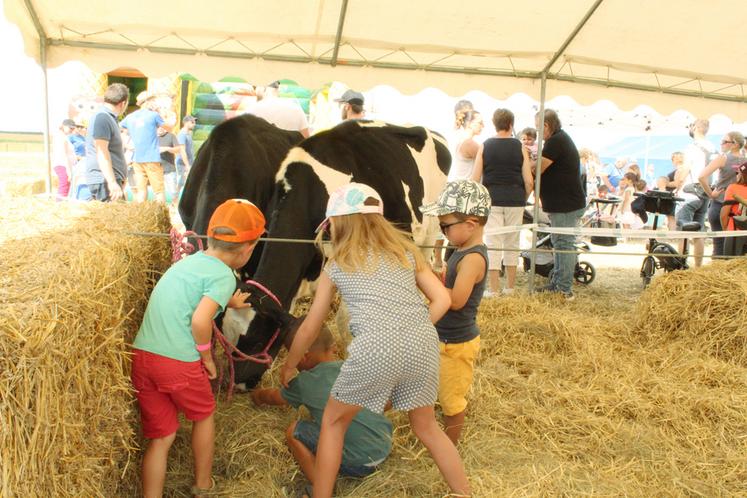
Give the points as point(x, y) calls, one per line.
point(457, 367)
point(148, 172)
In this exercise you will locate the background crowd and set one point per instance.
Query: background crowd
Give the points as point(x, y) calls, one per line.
point(141, 151)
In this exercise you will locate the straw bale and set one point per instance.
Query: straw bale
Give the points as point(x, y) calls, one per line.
point(565, 402)
point(73, 287)
point(706, 307)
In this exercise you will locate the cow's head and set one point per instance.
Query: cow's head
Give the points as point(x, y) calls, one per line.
point(264, 310)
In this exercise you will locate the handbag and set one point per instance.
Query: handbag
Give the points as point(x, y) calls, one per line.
point(695, 189)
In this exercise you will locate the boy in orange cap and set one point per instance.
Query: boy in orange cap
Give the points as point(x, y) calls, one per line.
point(172, 362)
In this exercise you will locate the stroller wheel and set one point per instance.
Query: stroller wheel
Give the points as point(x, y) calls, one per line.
point(584, 273)
point(647, 270)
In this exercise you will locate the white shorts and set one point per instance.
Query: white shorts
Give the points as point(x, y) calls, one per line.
point(503, 217)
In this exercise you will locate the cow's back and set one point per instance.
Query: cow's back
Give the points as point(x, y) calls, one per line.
point(238, 160)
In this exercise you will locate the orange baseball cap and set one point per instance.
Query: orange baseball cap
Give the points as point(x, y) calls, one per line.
point(239, 215)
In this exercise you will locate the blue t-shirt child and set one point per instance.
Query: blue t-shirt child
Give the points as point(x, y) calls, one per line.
point(142, 125)
point(167, 324)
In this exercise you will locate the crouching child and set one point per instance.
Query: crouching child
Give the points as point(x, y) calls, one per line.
point(367, 442)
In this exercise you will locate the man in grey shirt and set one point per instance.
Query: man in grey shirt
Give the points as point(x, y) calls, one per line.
point(106, 169)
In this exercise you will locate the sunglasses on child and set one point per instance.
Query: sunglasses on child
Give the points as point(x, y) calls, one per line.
point(445, 226)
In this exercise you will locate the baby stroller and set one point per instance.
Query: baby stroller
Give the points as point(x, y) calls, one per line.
point(584, 272)
point(661, 255)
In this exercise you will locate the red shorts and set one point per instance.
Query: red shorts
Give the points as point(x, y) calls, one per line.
point(164, 387)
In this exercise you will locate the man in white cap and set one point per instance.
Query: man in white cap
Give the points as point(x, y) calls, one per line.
point(351, 105)
point(286, 114)
point(142, 125)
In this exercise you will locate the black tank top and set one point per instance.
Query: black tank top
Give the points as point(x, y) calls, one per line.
point(461, 325)
point(501, 171)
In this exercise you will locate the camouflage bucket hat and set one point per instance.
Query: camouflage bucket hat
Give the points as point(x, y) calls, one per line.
point(461, 196)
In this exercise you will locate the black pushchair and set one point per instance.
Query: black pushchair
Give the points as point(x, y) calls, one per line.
point(584, 272)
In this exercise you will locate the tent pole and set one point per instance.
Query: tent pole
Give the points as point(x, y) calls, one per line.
point(541, 130)
point(43, 44)
point(338, 36)
point(538, 177)
point(43, 60)
point(573, 34)
point(644, 169)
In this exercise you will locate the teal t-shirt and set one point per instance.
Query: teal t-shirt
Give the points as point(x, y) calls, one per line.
point(369, 437)
point(167, 324)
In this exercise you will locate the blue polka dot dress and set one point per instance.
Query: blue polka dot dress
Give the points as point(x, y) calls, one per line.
point(394, 353)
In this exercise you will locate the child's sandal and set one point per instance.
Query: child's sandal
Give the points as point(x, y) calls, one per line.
point(195, 491)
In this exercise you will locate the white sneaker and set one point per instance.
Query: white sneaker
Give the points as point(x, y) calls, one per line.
point(488, 293)
point(506, 291)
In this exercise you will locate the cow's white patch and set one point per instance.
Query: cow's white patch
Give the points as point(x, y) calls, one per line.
point(372, 124)
point(438, 138)
point(434, 181)
point(236, 323)
point(331, 178)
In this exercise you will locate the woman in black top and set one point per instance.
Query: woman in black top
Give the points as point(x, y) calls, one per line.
point(504, 167)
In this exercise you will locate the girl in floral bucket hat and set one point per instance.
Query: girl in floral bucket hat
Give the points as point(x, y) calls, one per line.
point(394, 355)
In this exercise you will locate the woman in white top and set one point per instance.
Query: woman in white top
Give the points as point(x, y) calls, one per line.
point(470, 125)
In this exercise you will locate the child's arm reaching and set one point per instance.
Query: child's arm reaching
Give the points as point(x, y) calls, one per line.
point(471, 270)
point(202, 332)
point(309, 329)
point(435, 292)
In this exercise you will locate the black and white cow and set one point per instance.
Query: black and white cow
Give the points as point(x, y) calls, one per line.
point(407, 166)
point(240, 159)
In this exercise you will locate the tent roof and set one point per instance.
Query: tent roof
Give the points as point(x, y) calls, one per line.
point(629, 51)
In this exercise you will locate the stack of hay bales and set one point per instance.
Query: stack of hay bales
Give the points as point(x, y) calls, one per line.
point(704, 307)
point(74, 286)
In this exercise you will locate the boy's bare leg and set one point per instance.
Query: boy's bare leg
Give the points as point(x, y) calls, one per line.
point(453, 426)
point(301, 453)
point(335, 421)
point(154, 465)
point(203, 448)
point(443, 451)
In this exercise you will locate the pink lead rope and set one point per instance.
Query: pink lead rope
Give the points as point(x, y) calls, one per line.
point(232, 352)
point(181, 247)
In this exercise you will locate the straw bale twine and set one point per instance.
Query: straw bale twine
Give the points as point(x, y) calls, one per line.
point(73, 288)
point(706, 307)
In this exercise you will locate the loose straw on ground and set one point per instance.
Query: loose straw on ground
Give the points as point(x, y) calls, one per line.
point(609, 395)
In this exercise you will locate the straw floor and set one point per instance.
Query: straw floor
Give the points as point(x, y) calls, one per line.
point(73, 288)
point(569, 399)
point(618, 393)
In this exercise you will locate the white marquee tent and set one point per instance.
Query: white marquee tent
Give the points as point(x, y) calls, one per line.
point(669, 54)
point(627, 51)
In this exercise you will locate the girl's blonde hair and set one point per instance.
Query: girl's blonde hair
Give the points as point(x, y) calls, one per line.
point(354, 235)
